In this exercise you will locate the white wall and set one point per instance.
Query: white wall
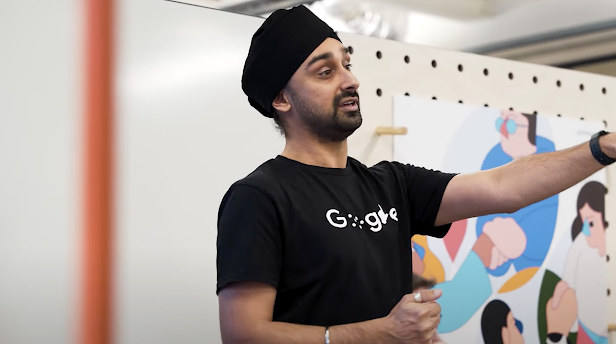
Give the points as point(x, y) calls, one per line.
point(185, 133)
point(40, 113)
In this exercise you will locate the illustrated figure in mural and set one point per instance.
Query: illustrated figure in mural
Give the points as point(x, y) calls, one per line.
point(572, 309)
point(520, 239)
point(499, 326)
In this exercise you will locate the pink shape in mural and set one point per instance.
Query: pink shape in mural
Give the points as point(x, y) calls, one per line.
point(453, 239)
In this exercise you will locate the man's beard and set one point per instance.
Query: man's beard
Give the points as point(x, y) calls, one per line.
point(334, 125)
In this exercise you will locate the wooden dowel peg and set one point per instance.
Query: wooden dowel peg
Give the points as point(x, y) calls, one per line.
point(391, 131)
point(611, 327)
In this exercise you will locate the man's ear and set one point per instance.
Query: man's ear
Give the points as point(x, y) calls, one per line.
point(281, 102)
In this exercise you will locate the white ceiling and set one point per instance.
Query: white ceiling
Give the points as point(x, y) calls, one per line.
point(461, 9)
point(215, 3)
point(471, 25)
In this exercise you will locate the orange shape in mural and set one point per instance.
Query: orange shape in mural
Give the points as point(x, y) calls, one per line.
point(433, 269)
point(518, 280)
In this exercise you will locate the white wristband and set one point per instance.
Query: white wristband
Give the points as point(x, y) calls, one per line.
point(327, 335)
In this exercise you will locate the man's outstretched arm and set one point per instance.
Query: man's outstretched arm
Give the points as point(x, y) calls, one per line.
point(525, 181)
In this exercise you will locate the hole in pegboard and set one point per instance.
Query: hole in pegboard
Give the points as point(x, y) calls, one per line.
point(581, 87)
point(608, 292)
point(510, 76)
point(407, 94)
point(460, 101)
point(534, 112)
point(460, 68)
point(379, 54)
point(379, 92)
point(558, 115)
point(604, 90)
point(407, 59)
point(605, 123)
point(607, 224)
point(486, 72)
point(581, 118)
point(535, 80)
point(434, 98)
point(434, 63)
point(350, 50)
point(510, 109)
point(558, 83)
point(607, 257)
point(486, 105)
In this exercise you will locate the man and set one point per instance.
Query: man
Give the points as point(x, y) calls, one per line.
point(313, 246)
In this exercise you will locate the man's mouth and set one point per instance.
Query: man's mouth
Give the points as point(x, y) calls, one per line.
point(350, 105)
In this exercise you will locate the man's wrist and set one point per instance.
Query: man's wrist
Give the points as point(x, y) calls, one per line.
point(375, 331)
point(386, 327)
point(608, 145)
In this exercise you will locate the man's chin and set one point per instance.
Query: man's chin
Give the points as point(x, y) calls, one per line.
point(351, 113)
point(351, 124)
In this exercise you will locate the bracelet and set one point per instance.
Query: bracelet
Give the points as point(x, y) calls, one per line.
point(595, 148)
point(327, 335)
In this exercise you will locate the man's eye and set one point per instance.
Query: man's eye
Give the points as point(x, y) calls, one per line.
point(326, 72)
point(592, 224)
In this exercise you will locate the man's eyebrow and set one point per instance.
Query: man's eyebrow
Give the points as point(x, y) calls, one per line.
point(325, 56)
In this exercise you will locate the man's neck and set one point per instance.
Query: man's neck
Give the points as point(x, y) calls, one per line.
point(313, 152)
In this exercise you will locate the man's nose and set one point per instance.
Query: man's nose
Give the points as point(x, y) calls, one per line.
point(350, 82)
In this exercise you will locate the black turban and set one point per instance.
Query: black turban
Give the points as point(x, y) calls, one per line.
point(278, 48)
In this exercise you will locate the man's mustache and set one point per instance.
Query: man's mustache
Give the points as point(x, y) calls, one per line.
point(346, 95)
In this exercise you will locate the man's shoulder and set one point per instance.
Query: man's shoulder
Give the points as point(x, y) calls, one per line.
point(396, 168)
point(383, 169)
point(263, 177)
point(383, 165)
point(269, 179)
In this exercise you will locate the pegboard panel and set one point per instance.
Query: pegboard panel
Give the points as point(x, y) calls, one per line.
point(388, 68)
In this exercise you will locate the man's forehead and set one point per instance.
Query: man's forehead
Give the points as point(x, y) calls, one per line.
point(330, 45)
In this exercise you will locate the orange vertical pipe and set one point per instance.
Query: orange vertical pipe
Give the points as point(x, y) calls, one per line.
point(96, 302)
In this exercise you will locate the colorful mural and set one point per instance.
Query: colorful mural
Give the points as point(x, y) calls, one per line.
point(536, 275)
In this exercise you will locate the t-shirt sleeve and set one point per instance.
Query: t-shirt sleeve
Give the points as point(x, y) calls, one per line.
point(249, 243)
point(425, 189)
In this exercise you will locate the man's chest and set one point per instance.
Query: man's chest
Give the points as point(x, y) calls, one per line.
point(343, 225)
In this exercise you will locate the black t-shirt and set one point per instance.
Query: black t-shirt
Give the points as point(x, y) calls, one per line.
point(334, 242)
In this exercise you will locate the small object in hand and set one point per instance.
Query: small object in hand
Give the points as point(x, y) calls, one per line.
point(418, 297)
